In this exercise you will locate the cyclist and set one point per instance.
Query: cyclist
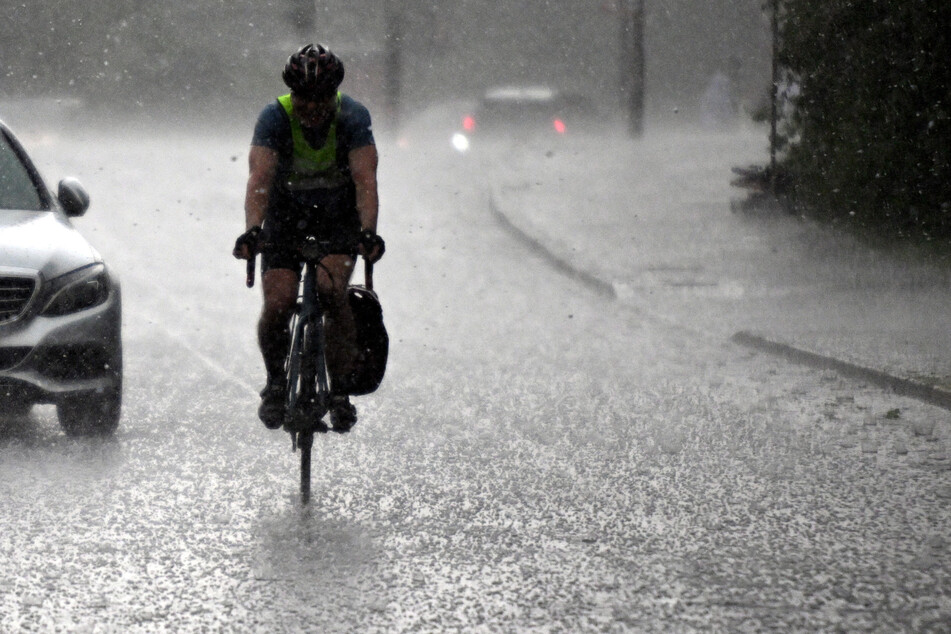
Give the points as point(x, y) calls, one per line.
point(313, 163)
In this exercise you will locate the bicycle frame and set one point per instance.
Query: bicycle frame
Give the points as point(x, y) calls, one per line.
point(307, 376)
point(308, 381)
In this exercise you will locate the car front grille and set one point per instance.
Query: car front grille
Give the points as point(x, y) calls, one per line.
point(15, 294)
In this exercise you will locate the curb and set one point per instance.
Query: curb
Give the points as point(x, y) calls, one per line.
point(899, 385)
point(598, 285)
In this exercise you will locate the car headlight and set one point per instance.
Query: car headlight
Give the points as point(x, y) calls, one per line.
point(460, 142)
point(78, 291)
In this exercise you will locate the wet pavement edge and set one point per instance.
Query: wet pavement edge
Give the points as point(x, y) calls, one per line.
point(899, 385)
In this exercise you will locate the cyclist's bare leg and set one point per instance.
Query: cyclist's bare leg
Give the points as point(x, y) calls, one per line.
point(280, 296)
point(333, 278)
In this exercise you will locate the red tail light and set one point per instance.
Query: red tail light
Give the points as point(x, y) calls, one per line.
point(559, 126)
point(468, 123)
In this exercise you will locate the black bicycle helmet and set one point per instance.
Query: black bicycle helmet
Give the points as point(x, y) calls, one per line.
point(313, 71)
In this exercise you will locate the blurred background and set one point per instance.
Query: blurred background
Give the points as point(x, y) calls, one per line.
point(126, 55)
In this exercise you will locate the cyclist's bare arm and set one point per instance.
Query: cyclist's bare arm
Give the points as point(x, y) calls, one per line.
point(363, 163)
point(262, 162)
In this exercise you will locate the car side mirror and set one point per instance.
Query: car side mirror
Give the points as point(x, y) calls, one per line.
point(73, 197)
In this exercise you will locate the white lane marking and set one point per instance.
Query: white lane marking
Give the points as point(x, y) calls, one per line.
point(182, 341)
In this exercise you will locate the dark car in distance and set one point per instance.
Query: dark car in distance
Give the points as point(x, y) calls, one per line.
point(60, 305)
point(520, 113)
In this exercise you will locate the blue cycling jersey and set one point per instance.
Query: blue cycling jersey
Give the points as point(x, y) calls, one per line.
point(273, 130)
point(354, 130)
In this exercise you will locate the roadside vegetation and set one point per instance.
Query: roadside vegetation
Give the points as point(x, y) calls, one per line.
point(867, 117)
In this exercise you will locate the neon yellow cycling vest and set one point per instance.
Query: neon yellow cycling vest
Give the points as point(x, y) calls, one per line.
point(313, 168)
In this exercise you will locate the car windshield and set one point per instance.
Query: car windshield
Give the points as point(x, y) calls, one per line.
point(17, 189)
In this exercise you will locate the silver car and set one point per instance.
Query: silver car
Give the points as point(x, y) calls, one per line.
point(60, 305)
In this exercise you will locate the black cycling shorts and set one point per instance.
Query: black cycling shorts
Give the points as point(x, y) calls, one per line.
point(279, 240)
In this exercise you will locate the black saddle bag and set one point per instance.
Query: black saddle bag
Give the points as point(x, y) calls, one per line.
point(372, 339)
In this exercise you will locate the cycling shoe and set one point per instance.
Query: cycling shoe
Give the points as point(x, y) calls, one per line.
point(271, 410)
point(343, 415)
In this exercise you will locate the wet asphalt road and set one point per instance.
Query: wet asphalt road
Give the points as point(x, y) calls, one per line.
point(538, 458)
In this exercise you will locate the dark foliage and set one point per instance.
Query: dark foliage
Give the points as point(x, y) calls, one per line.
point(872, 125)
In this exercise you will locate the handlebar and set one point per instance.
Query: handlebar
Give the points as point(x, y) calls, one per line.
point(312, 250)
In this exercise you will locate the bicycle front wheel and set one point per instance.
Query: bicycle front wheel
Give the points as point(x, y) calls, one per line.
point(305, 442)
point(296, 383)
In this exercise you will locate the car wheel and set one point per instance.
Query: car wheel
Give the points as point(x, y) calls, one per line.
point(90, 415)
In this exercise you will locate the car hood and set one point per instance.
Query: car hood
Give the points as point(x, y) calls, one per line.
point(42, 241)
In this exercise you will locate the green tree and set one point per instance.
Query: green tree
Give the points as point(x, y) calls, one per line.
point(872, 120)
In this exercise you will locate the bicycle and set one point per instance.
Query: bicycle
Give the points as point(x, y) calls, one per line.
point(308, 380)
